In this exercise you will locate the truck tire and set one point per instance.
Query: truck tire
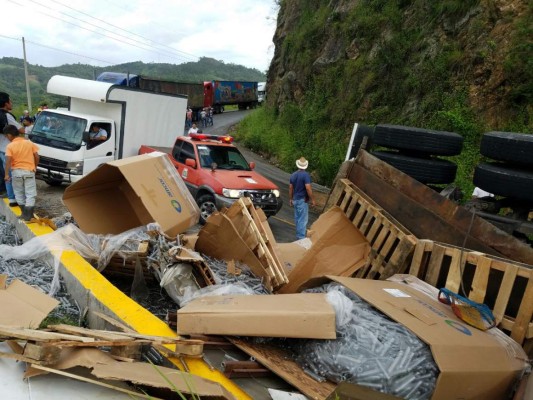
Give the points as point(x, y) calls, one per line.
point(515, 148)
point(424, 170)
point(418, 140)
point(505, 180)
point(207, 205)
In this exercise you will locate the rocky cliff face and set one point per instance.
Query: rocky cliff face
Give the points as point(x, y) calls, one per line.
point(406, 61)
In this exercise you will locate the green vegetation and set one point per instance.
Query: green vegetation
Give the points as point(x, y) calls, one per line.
point(13, 82)
point(410, 63)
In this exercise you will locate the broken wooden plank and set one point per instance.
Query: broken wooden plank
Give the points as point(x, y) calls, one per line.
point(44, 354)
point(276, 360)
point(97, 334)
point(40, 335)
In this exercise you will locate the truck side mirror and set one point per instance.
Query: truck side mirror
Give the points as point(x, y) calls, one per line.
point(86, 136)
point(190, 162)
point(252, 165)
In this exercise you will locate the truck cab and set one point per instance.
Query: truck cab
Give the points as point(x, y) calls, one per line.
point(66, 151)
point(217, 174)
point(261, 93)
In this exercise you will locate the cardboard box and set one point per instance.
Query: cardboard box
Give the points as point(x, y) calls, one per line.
point(337, 248)
point(473, 364)
point(132, 192)
point(302, 315)
point(22, 306)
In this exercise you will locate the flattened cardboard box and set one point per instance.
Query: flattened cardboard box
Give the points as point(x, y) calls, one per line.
point(124, 194)
point(337, 248)
point(473, 364)
point(301, 315)
point(23, 306)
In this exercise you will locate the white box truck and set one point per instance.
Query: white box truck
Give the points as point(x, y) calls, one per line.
point(131, 117)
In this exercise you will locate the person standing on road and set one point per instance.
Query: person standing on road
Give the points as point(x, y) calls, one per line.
point(188, 118)
point(22, 158)
point(194, 129)
point(7, 118)
point(300, 193)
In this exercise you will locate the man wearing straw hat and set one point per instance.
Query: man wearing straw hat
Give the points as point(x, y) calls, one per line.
point(300, 192)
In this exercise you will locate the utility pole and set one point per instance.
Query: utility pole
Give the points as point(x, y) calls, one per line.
point(28, 94)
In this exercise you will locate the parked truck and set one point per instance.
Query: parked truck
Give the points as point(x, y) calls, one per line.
point(216, 93)
point(261, 93)
point(131, 117)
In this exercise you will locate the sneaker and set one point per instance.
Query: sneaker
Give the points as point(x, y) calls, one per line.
point(13, 203)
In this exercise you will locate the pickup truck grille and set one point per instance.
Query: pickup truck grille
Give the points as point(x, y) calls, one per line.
point(47, 162)
point(264, 199)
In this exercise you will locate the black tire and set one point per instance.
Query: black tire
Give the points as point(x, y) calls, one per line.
point(418, 140)
point(54, 182)
point(207, 205)
point(504, 180)
point(515, 148)
point(424, 170)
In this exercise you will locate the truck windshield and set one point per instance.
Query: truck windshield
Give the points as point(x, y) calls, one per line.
point(58, 130)
point(224, 157)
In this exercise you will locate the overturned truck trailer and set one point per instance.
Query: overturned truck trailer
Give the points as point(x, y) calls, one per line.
point(425, 213)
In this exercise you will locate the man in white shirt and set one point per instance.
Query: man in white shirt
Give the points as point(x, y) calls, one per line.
point(194, 129)
point(97, 133)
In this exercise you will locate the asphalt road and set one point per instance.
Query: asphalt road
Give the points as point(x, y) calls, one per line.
point(49, 199)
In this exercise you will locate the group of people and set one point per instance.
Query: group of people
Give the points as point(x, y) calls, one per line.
point(19, 159)
point(204, 117)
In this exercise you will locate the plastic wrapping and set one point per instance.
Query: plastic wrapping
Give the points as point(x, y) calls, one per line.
point(98, 248)
point(370, 350)
point(178, 280)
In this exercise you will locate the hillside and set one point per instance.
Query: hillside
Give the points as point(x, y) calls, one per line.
point(455, 65)
point(12, 76)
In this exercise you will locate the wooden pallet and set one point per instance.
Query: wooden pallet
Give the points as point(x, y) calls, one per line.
point(124, 266)
point(391, 244)
point(505, 286)
point(249, 226)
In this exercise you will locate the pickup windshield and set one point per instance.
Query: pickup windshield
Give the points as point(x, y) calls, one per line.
point(224, 157)
point(58, 130)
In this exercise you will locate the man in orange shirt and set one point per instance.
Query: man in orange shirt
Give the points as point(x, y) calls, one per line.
point(21, 160)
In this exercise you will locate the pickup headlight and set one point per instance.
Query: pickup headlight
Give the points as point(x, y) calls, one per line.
point(276, 192)
point(75, 167)
point(232, 193)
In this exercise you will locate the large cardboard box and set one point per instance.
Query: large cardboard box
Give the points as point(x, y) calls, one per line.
point(473, 364)
point(132, 192)
point(335, 247)
point(301, 315)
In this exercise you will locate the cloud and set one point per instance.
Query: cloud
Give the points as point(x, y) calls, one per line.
point(104, 32)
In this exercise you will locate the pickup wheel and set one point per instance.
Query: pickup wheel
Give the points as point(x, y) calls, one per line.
point(424, 170)
point(54, 182)
point(207, 206)
point(418, 140)
point(505, 180)
point(512, 147)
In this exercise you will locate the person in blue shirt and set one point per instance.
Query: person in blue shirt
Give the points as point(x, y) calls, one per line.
point(300, 193)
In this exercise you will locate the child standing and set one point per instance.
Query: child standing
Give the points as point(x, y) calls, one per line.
point(21, 160)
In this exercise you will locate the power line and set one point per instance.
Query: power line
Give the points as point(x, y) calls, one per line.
point(56, 49)
point(124, 30)
point(99, 33)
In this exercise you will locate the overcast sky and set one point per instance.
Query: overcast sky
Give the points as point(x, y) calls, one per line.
point(107, 32)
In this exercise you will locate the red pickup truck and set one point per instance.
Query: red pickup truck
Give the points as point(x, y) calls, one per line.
point(217, 174)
